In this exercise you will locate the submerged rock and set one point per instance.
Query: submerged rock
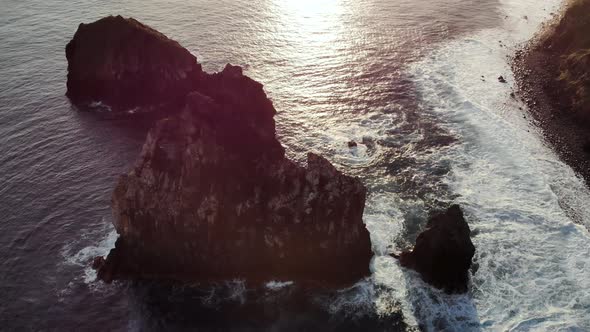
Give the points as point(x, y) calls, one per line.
point(443, 252)
point(126, 64)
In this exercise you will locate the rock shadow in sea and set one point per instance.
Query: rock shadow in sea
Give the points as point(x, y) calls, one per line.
point(435, 310)
point(231, 306)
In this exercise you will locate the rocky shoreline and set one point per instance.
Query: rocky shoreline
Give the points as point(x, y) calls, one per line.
point(539, 71)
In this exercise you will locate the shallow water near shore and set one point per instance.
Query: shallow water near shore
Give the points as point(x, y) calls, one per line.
point(401, 78)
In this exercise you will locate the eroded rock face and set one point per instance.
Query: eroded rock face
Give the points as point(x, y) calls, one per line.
point(443, 252)
point(213, 197)
point(125, 64)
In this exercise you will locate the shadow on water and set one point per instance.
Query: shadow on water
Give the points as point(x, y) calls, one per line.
point(435, 310)
point(232, 306)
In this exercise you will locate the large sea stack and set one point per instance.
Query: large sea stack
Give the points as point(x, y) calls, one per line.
point(443, 252)
point(212, 195)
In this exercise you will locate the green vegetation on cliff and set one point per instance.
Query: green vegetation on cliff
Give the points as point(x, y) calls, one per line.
point(570, 40)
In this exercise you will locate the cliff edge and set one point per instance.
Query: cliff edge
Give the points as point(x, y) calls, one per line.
point(553, 76)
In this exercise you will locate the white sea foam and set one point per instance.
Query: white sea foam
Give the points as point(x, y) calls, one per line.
point(278, 285)
point(237, 290)
point(355, 301)
point(84, 256)
point(100, 106)
point(533, 256)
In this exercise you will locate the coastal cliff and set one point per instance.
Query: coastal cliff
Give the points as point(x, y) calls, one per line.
point(553, 77)
point(569, 42)
point(212, 195)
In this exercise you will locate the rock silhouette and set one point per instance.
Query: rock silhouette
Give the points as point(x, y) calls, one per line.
point(212, 195)
point(443, 252)
point(125, 64)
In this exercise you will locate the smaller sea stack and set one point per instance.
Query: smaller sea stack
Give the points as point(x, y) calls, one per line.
point(443, 252)
point(125, 64)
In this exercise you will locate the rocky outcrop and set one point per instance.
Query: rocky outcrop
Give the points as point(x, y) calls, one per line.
point(125, 65)
point(213, 197)
point(443, 252)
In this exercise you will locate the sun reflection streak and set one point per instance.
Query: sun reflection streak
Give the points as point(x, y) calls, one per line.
point(310, 7)
point(314, 20)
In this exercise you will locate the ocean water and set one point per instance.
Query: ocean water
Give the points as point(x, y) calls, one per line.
point(414, 82)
